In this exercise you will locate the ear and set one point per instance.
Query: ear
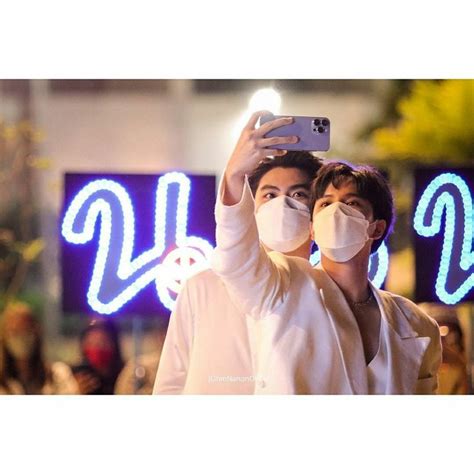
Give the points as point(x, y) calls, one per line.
point(380, 227)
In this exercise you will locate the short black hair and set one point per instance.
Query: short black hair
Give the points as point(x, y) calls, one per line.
point(370, 184)
point(303, 160)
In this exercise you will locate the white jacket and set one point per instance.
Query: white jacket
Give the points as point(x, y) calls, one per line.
point(309, 341)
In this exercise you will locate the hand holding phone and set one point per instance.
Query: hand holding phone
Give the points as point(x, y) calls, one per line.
point(250, 149)
point(313, 132)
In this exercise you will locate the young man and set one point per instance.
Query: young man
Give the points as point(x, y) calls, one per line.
point(324, 330)
point(211, 346)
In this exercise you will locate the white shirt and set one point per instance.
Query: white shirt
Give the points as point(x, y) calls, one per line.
point(207, 349)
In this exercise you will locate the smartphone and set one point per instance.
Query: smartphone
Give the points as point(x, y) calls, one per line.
point(313, 132)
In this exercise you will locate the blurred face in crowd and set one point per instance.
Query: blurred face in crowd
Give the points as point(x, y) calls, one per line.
point(98, 349)
point(451, 337)
point(20, 332)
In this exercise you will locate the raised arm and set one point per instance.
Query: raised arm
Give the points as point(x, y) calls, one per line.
point(250, 149)
point(254, 281)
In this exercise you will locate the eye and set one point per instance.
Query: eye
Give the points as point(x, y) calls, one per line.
point(353, 203)
point(299, 195)
point(324, 204)
point(269, 195)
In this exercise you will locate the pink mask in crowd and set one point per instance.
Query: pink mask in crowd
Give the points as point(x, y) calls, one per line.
point(99, 358)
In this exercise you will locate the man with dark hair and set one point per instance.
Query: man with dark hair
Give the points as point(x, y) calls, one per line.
point(302, 160)
point(323, 330)
point(211, 345)
point(370, 185)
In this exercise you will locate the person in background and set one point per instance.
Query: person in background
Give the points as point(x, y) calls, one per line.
point(138, 375)
point(101, 358)
point(453, 378)
point(23, 369)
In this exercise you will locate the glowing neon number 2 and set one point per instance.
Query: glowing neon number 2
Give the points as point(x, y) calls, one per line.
point(450, 194)
point(116, 278)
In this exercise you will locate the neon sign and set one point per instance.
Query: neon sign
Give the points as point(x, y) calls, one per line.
point(104, 226)
point(104, 207)
point(445, 210)
point(378, 264)
point(121, 254)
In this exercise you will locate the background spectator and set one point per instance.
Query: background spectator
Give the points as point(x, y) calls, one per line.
point(138, 375)
point(452, 375)
point(23, 369)
point(101, 358)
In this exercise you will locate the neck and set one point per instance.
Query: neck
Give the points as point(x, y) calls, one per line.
point(351, 277)
point(304, 251)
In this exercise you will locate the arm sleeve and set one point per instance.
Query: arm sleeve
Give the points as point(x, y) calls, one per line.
point(174, 360)
point(254, 281)
point(427, 383)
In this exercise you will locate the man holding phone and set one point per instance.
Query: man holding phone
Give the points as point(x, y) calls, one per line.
point(323, 330)
point(212, 346)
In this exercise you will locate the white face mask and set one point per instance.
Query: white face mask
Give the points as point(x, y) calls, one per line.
point(341, 231)
point(283, 223)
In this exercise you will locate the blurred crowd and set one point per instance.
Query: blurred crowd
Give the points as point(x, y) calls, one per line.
point(102, 370)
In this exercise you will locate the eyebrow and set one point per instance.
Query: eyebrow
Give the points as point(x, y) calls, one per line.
point(268, 187)
point(345, 195)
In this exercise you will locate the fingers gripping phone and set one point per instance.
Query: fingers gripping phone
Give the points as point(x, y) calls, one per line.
point(313, 132)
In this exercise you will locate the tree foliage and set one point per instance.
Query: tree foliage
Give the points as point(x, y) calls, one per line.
point(436, 125)
point(20, 243)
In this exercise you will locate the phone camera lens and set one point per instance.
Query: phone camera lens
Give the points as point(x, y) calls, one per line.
point(325, 122)
point(316, 122)
point(321, 129)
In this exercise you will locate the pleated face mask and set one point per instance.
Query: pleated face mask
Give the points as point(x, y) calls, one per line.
point(283, 223)
point(340, 231)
